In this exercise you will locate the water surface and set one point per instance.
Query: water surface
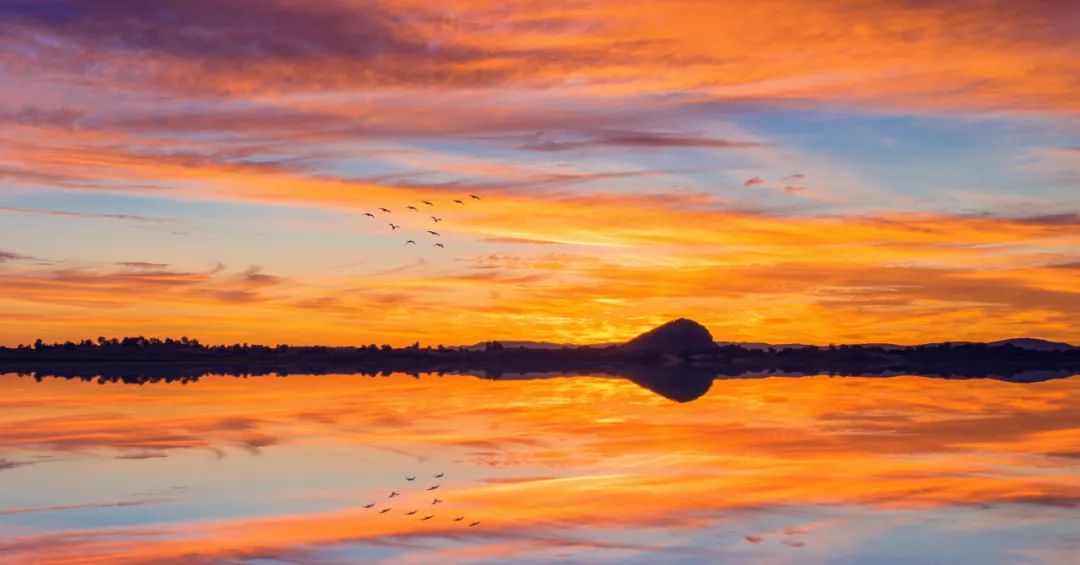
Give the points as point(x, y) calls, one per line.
point(766, 470)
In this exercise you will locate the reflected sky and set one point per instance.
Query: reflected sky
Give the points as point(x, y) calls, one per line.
point(770, 470)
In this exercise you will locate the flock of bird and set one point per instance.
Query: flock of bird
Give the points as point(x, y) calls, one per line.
point(434, 501)
point(434, 219)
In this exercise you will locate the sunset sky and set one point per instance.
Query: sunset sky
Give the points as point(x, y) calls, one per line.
point(832, 171)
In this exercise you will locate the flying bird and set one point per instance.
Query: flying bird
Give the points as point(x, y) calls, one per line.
point(459, 202)
point(426, 202)
point(439, 475)
point(436, 220)
point(384, 511)
point(413, 208)
point(474, 524)
point(393, 494)
point(436, 501)
point(385, 210)
point(440, 245)
point(411, 513)
point(433, 232)
point(408, 478)
point(474, 197)
point(410, 241)
point(393, 227)
point(427, 517)
point(459, 518)
point(369, 214)
point(369, 505)
point(433, 487)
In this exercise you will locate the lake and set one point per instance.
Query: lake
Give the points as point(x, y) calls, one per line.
point(816, 469)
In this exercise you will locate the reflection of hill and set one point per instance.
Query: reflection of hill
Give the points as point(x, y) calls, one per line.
point(678, 383)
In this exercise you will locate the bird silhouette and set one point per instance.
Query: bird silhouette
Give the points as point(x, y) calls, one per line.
point(439, 475)
point(437, 220)
point(474, 197)
point(369, 214)
point(474, 524)
point(440, 245)
point(436, 501)
point(426, 202)
point(433, 487)
point(433, 232)
point(393, 494)
point(410, 241)
point(369, 505)
point(384, 210)
point(459, 518)
point(393, 227)
point(427, 517)
point(408, 478)
point(384, 511)
point(411, 513)
point(459, 202)
point(413, 208)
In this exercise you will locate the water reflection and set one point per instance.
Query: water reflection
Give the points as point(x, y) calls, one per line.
point(585, 468)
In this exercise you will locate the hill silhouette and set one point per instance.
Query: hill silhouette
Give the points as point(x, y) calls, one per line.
point(677, 337)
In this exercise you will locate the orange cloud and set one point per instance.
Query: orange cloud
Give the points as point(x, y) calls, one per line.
point(622, 249)
point(975, 54)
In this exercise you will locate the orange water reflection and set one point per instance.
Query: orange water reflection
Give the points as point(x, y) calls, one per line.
point(577, 468)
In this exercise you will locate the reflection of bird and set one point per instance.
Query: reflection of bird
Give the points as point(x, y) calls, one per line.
point(474, 524)
point(393, 494)
point(427, 517)
point(440, 245)
point(408, 478)
point(426, 202)
point(433, 232)
point(437, 220)
point(384, 511)
point(459, 518)
point(369, 505)
point(436, 501)
point(410, 241)
point(393, 227)
point(459, 202)
point(411, 513)
point(474, 197)
point(369, 214)
point(413, 208)
point(439, 475)
point(433, 487)
point(385, 210)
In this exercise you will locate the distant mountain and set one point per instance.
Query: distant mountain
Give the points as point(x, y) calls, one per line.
point(675, 337)
point(1034, 344)
point(535, 345)
point(523, 345)
point(1031, 343)
point(761, 345)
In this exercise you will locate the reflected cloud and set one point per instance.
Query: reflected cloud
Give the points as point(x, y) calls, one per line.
point(581, 458)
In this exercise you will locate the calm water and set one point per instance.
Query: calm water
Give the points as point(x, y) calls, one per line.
point(583, 469)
